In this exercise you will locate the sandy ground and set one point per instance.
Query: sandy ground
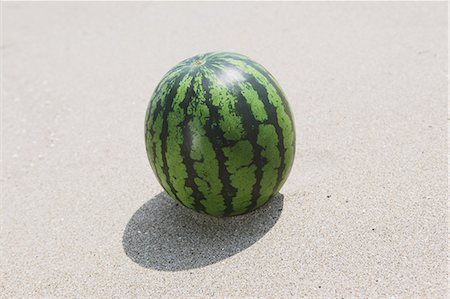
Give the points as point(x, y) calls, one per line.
point(363, 213)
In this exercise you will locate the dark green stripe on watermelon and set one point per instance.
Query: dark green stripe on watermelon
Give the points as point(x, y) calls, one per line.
point(219, 134)
point(154, 116)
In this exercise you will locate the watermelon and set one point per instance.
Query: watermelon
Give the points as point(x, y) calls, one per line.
point(219, 134)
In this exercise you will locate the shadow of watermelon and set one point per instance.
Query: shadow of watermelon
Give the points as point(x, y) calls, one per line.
point(166, 236)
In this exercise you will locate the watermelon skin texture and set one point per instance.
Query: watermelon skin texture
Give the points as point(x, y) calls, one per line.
point(219, 134)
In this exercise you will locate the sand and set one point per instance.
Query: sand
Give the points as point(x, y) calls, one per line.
point(363, 213)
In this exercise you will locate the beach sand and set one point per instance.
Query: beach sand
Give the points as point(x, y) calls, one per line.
point(363, 213)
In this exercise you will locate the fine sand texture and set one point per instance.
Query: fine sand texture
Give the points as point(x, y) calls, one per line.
point(362, 215)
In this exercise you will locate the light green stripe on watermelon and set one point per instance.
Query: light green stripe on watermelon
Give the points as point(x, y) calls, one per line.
point(275, 99)
point(206, 165)
point(256, 105)
point(148, 141)
point(221, 97)
point(242, 172)
point(158, 99)
point(270, 169)
point(176, 168)
point(286, 124)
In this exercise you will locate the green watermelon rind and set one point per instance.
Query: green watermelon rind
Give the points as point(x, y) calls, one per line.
point(219, 134)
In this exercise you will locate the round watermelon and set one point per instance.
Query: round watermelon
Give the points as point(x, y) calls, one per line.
point(219, 134)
